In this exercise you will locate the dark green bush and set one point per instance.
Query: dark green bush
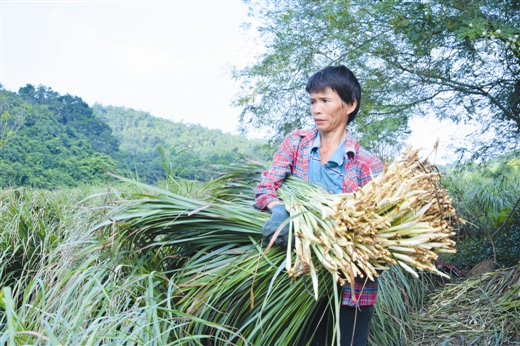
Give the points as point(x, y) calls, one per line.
point(472, 250)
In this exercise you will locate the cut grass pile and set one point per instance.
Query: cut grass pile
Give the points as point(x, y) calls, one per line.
point(482, 310)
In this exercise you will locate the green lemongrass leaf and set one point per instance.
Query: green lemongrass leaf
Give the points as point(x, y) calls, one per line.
point(50, 335)
point(10, 314)
point(273, 279)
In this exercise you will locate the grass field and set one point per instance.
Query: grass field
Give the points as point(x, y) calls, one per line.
point(131, 264)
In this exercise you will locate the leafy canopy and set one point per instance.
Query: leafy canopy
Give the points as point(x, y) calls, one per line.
point(56, 142)
point(12, 117)
point(453, 59)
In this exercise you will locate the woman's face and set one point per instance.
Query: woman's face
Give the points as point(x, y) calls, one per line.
point(330, 113)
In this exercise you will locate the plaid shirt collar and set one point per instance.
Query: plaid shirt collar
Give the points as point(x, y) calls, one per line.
point(350, 142)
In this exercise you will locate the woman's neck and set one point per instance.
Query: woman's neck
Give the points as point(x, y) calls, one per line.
point(329, 142)
point(332, 140)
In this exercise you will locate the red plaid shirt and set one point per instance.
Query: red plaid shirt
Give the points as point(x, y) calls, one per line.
point(292, 158)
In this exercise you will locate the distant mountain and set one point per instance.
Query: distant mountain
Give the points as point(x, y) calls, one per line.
point(188, 149)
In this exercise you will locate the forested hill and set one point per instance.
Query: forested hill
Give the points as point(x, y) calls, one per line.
point(188, 149)
point(48, 140)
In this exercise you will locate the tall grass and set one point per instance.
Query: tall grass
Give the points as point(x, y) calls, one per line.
point(139, 265)
point(400, 296)
point(41, 233)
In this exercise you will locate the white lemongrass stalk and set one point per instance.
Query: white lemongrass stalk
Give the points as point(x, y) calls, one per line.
point(414, 224)
point(408, 269)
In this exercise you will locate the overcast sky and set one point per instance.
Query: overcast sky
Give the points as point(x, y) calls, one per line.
point(170, 58)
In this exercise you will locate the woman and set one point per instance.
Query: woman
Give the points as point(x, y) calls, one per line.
point(330, 157)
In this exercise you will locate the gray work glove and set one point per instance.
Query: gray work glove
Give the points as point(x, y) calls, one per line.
point(278, 215)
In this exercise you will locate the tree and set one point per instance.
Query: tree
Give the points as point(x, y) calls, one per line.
point(454, 59)
point(12, 116)
point(45, 153)
point(73, 112)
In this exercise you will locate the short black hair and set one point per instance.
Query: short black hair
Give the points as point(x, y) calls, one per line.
point(342, 81)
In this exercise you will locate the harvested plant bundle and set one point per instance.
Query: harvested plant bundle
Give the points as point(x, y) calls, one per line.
point(403, 216)
point(211, 250)
point(226, 288)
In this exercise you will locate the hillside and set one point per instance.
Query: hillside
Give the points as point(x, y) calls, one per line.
point(48, 140)
point(59, 142)
point(189, 149)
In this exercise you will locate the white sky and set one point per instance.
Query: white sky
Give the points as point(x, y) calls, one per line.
point(426, 132)
point(170, 58)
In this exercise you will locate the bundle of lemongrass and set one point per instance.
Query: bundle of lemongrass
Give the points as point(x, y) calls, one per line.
point(403, 216)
